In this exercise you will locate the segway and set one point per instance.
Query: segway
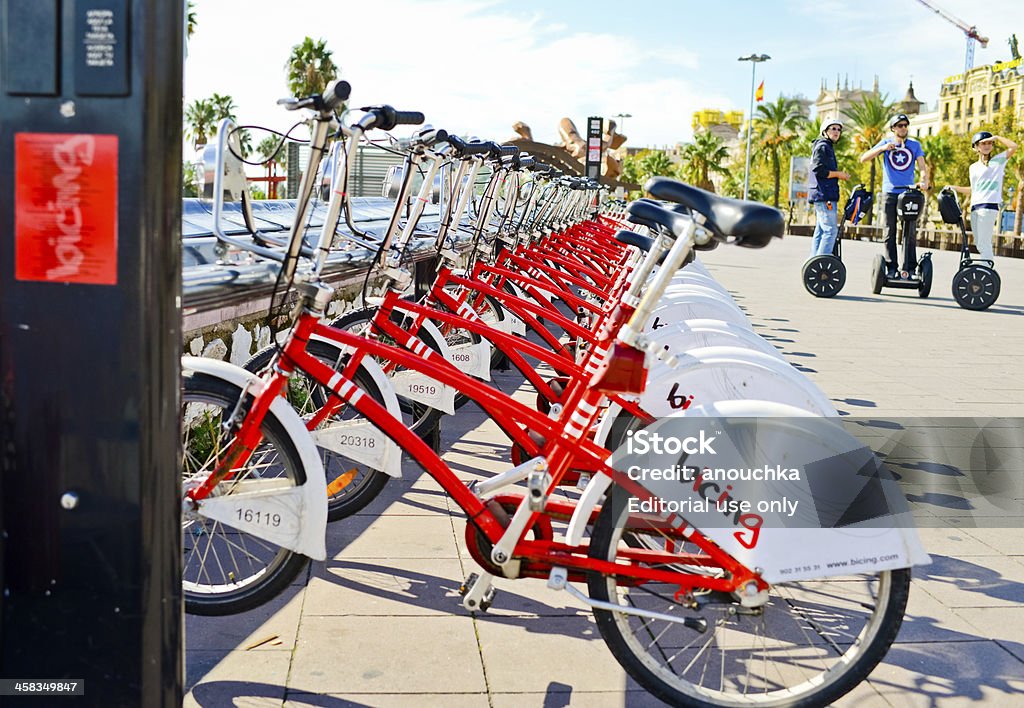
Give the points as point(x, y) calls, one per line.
point(909, 205)
point(976, 284)
point(825, 275)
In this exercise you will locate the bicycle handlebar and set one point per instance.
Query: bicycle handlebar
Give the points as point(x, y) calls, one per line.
point(464, 148)
point(500, 151)
point(386, 118)
point(336, 93)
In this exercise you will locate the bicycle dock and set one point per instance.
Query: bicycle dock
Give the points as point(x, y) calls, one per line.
point(363, 627)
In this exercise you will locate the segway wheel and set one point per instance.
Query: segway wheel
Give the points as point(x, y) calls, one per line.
point(976, 287)
point(926, 272)
point(824, 276)
point(878, 274)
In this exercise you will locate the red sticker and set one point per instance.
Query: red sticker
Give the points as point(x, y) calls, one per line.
point(65, 208)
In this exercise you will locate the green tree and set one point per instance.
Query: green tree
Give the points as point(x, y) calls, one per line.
point(938, 156)
point(870, 123)
point(191, 21)
point(775, 129)
point(656, 164)
point(189, 180)
point(310, 68)
point(200, 121)
point(706, 154)
point(203, 115)
point(267, 148)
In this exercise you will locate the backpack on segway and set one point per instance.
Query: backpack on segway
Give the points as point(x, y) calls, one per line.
point(976, 283)
point(909, 206)
point(825, 275)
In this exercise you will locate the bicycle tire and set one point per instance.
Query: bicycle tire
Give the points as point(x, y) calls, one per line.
point(307, 396)
point(209, 548)
point(421, 417)
point(661, 656)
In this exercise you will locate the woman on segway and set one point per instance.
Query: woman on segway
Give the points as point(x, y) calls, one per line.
point(825, 192)
point(986, 188)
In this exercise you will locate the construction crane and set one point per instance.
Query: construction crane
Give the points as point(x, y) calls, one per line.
point(970, 30)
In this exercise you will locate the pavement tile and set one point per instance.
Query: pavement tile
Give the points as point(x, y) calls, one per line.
point(523, 654)
point(863, 695)
point(383, 700)
point(558, 697)
point(337, 655)
point(278, 618)
point(215, 678)
point(1008, 542)
point(952, 542)
point(973, 581)
point(395, 537)
point(928, 620)
point(949, 674)
point(392, 587)
point(1005, 625)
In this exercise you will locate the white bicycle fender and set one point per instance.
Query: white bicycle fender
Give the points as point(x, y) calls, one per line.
point(389, 459)
point(591, 497)
point(297, 515)
point(604, 428)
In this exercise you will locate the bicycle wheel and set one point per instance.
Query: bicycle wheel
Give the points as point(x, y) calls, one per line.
point(811, 642)
point(225, 570)
point(418, 416)
point(350, 485)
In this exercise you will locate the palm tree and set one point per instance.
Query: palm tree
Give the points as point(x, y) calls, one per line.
point(190, 19)
point(200, 121)
point(656, 164)
point(310, 68)
point(706, 154)
point(224, 107)
point(870, 118)
point(775, 128)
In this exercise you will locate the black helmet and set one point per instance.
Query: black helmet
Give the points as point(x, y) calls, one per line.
point(898, 118)
point(979, 136)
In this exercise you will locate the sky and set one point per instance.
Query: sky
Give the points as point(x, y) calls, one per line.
point(475, 67)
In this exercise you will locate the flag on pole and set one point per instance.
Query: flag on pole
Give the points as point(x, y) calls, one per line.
point(759, 94)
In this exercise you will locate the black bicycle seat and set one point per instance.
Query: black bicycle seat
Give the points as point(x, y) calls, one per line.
point(747, 223)
point(647, 213)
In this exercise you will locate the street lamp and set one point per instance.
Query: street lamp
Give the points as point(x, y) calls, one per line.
point(622, 121)
point(754, 60)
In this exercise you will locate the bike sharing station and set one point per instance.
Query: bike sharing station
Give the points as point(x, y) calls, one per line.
point(90, 142)
point(96, 557)
point(564, 263)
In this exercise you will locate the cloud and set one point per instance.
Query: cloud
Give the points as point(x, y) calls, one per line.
point(472, 67)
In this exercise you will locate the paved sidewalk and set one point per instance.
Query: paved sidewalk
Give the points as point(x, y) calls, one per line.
point(379, 624)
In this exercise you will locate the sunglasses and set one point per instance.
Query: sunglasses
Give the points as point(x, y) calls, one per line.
point(835, 127)
point(902, 125)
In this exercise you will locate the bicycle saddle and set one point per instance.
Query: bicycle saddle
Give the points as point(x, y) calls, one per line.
point(639, 218)
point(747, 223)
point(644, 243)
point(646, 213)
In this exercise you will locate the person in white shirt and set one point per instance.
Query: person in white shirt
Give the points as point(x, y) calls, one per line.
point(986, 188)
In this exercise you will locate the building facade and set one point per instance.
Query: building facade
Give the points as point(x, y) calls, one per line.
point(967, 101)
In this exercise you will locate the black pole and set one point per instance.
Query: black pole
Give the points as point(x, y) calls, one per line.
point(90, 338)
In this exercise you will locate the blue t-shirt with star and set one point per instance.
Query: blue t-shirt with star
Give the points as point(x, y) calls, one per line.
point(898, 164)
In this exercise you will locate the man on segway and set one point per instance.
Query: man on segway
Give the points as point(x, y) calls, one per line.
point(902, 154)
point(824, 193)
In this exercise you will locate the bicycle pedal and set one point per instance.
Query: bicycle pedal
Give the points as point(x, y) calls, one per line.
point(477, 592)
point(467, 583)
